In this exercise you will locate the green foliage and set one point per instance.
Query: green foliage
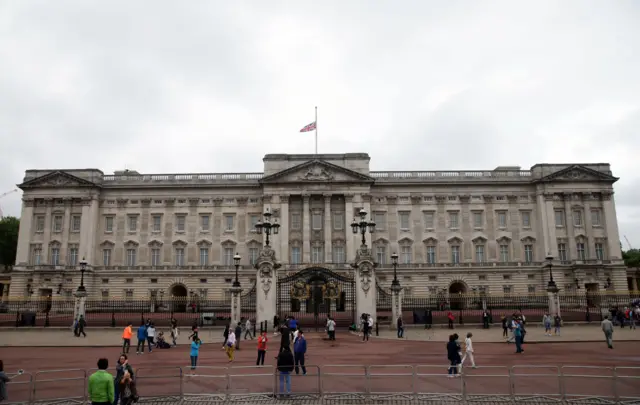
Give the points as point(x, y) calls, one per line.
point(631, 258)
point(9, 227)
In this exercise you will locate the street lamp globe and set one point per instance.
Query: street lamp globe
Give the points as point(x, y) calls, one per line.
point(236, 259)
point(355, 226)
point(394, 259)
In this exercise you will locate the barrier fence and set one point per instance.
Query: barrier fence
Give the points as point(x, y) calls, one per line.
point(349, 382)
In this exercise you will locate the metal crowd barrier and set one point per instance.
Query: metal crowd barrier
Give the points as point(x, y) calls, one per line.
point(521, 383)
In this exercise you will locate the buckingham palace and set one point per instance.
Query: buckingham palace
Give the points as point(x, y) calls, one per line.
point(151, 235)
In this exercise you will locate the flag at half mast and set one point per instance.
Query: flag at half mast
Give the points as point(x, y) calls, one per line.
point(309, 128)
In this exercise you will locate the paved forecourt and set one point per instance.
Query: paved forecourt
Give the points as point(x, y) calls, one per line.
point(397, 367)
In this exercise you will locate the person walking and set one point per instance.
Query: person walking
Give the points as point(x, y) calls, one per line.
point(276, 325)
point(231, 345)
point(468, 350)
point(453, 355)
point(174, 332)
point(195, 351)
point(262, 348)
point(4, 379)
point(365, 327)
point(299, 350)
point(517, 333)
point(225, 335)
point(151, 336)
point(247, 329)
point(331, 328)
point(285, 367)
point(80, 327)
point(238, 335)
point(557, 323)
point(607, 328)
point(126, 338)
point(141, 334)
point(451, 319)
point(100, 385)
point(400, 327)
point(505, 326)
point(285, 338)
point(546, 321)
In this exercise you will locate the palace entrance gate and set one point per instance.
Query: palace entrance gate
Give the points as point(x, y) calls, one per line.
point(314, 293)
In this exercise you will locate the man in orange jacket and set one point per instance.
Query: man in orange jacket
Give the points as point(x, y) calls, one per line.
point(126, 338)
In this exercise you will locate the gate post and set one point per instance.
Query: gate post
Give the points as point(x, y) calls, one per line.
point(396, 304)
point(365, 283)
point(236, 309)
point(79, 308)
point(266, 285)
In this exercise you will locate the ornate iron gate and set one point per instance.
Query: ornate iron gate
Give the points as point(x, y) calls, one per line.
point(248, 303)
point(312, 294)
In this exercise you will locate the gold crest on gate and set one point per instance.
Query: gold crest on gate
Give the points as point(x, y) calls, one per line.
point(300, 291)
point(330, 290)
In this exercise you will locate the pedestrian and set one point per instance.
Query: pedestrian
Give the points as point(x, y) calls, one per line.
point(174, 332)
point(247, 331)
point(80, 327)
point(151, 336)
point(331, 328)
point(453, 355)
point(285, 338)
point(557, 323)
point(299, 350)
point(285, 367)
point(225, 334)
point(546, 321)
point(194, 330)
point(276, 324)
point(100, 385)
point(400, 327)
point(365, 327)
point(485, 319)
point(505, 326)
point(126, 338)
point(195, 350)
point(141, 334)
point(231, 345)
point(127, 388)
point(369, 324)
point(450, 318)
point(238, 334)
point(607, 328)
point(4, 379)
point(517, 333)
point(468, 351)
point(262, 348)
point(122, 366)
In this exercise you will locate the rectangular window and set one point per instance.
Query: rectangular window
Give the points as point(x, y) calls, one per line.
point(181, 222)
point(405, 254)
point(338, 254)
point(296, 221)
point(577, 218)
point(480, 254)
point(582, 254)
point(108, 224)
point(131, 257)
point(338, 221)
point(429, 220)
point(381, 254)
point(504, 253)
point(562, 252)
point(75, 223)
point(155, 257)
point(453, 220)
point(502, 219)
point(455, 254)
point(599, 251)
point(531, 290)
point(133, 223)
point(528, 253)
point(36, 256)
point(296, 257)
point(431, 254)
point(379, 219)
point(204, 256)
point(477, 220)
point(559, 218)
point(316, 254)
point(507, 289)
point(157, 223)
point(204, 222)
point(55, 256)
point(316, 221)
point(40, 223)
point(228, 223)
point(404, 220)
point(105, 295)
point(253, 256)
point(106, 257)
point(228, 256)
point(128, 295)
point(253, 220)
point(73, 255)
point(525, 217)
point(57, 223)
point(179, 256)
point(596, 218)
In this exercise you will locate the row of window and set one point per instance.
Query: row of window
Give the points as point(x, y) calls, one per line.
point(57, 223)
point(582, 251)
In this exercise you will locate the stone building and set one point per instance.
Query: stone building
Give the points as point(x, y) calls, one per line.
point(160, 235)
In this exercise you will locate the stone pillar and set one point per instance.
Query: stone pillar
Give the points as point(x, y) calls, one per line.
point(66, 230)
point(79, 309)
point(614, 250)
point(266, 286)
point(46, 236)
point(236, 309)
point(571, 237)
point(396, 304)
point(306, 229)
point(365, 283)
point(24, 234)
point(348, 217)
point(284, 228)
point(328, 258)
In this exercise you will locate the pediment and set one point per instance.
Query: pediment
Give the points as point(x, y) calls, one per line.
point(56, 179)
point(577, 174)
point(204, 242)
point(155, 242)
point(179, 242)
point(317, 171)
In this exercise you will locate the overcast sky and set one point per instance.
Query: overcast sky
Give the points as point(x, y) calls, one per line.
point(212, 86)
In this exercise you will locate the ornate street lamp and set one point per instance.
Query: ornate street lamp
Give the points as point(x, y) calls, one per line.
point(236, 262)
point(267, 226)
point(83, 268)
point(362, 226)
point(551, 287)
point(394, 262)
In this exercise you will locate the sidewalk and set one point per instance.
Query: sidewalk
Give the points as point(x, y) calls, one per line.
point(535, 334)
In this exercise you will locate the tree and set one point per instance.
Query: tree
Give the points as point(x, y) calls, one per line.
point(631, 258)
point(9, 227)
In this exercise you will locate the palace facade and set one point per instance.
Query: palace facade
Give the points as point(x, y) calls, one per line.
point(160, 235)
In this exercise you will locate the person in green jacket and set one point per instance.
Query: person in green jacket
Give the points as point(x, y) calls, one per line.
point(101, 390)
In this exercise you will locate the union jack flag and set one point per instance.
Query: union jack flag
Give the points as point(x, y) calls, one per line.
point(309, 127)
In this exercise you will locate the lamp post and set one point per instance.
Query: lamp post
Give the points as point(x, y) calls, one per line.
point(394, 262)
point(267, 227)
point(83, 268)
point(551, 287)
point(362, 225)
point(236, 262)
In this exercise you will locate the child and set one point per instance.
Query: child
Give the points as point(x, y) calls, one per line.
point(195, 351)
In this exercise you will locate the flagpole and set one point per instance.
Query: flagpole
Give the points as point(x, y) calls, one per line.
point(316, 130)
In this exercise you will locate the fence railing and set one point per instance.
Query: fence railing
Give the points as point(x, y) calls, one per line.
point(350, 382)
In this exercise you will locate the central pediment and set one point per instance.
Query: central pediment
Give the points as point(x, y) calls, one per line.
point(57, 179)
point(317, 171)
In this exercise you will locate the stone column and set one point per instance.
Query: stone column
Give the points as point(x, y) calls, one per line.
point(266, 282)
point(66, 229)
point(348, 217)
point(79, 309)
point(614, 251)
point(306, 229)
point(24, 234)
point(396, 304)
point(236, 309)
point(284, 228)
point(328, 258)
point(571, 237)
point(365, 283)
point(46, 236)
point(588, 227)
